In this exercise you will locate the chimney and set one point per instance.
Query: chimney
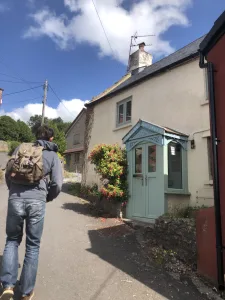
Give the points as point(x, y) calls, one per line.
point(1, 91)
point(139, 60)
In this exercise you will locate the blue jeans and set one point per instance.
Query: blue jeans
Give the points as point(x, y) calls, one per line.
point(32, 212)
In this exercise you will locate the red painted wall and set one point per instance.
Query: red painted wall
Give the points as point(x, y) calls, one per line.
point(217, 57)
point(206, 243)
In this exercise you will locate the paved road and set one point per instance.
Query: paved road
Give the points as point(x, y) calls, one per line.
point(88, 258)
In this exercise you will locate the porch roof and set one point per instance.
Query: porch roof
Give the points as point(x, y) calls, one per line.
point(155, 129)
point(74, 150)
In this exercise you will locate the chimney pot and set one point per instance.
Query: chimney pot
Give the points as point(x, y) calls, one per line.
point(142, 46)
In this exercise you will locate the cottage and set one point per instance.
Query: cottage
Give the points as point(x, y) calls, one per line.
point(212, 50)
point(170, 162)
point(74, 153)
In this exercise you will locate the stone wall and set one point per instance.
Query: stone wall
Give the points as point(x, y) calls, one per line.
point(172, 241)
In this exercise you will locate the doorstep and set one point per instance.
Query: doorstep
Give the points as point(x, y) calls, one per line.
point(138, 224)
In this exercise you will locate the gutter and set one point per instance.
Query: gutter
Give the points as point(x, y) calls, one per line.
point(215, 141)
point(144, 78)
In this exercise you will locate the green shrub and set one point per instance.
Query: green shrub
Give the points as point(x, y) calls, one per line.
point(12, 146)
point(111, 164)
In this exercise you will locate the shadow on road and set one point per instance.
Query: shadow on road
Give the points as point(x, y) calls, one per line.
point(82, 208)
point(118, 246)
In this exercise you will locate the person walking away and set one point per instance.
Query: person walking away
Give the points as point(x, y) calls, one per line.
point(34, 177)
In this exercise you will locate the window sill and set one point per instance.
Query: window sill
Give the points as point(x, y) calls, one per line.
point(123, 127)
point(206, 102)
point(209, 182)
point(178, 192)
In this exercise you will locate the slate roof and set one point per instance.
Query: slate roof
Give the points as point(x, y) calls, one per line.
point(111, 88)
point(214, 34)
point(176, 58)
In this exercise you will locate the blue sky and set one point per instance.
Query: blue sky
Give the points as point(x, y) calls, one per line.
point(62, 40)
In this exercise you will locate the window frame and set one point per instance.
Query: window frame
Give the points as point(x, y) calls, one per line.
point(124, 103)
point(184, 165)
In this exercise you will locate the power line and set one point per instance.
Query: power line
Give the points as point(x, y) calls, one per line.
point(10, 81)
point(103, 28)
point(60, 100)
point(19, 77)
point(32, 88)
point(23, 101)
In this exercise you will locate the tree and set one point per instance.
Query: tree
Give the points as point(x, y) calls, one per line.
point(59, 137)
point(25, 134)
point(8, 129)
point(35, 122)
point(61, 125)
point(56, 124)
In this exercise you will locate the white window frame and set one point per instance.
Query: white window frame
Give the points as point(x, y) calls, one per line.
point(124, 103)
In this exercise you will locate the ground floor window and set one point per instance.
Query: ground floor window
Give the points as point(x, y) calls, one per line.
point(68, 159)
point(77, 158)
point(176, 166)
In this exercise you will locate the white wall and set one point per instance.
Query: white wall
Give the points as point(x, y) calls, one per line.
point(175, 99)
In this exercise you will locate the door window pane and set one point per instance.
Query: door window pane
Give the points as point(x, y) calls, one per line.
point(128, 111)
point(120, 114)
point(138, 160)
point(174, 166)
point(152, 159)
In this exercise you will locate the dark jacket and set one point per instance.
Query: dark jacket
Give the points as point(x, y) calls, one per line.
point(49, 187)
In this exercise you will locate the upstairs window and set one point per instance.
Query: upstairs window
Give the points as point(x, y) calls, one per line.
point(76, 139)
point(124, 112)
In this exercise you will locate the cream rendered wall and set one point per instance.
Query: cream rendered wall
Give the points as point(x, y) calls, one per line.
point(176, 99)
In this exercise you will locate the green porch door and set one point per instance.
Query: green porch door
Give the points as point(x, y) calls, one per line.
point(147, 186)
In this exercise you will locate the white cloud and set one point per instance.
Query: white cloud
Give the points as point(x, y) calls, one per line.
point(3, 7)
point(67, 110)
point(145, 17)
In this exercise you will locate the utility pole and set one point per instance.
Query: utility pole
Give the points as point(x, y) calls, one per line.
point(44, 101)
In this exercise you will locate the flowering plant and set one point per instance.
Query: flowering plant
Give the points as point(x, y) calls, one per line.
point(111, 164)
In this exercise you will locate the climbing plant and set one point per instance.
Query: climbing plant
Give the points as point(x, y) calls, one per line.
point(111, 164)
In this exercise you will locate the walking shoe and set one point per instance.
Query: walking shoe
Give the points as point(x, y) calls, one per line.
point(28, 297)
point(7, 294)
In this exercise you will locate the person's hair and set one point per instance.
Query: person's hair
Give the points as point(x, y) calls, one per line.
point(44, 133)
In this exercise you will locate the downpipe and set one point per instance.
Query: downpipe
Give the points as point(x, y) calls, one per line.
point(219, 240)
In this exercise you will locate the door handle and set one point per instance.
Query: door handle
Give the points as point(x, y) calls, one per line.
point(146, 179)
point(142, 180)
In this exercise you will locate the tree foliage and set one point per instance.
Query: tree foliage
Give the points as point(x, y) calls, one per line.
point(25, 134)
point(57, 124)
point(8, 129)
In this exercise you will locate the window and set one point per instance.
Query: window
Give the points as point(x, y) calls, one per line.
point(68, 159)
point(152, 159)
point(209, 146)
point(76, 139)
point(138, 160)
point(175, 177)
point(124, 111)
point(77, 158)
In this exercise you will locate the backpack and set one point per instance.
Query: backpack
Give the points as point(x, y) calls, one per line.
point(26, 165)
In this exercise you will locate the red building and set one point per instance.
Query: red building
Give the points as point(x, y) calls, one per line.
point(211, 222)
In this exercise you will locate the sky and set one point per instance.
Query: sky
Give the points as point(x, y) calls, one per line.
point(63, 41)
